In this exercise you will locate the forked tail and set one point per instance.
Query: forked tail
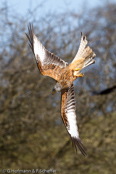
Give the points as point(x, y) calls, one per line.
point(84, 57)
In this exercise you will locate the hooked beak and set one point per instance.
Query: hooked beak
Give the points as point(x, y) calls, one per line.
point(53, 91)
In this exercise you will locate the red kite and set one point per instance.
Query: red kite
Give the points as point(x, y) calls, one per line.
point(64, 73)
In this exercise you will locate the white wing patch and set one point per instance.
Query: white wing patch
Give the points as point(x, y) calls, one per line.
point(39, 49)
point(70, 113)
point(73, 130)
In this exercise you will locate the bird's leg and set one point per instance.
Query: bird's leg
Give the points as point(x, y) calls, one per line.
point(77, 73)
point(78, 69)
point(80, 75)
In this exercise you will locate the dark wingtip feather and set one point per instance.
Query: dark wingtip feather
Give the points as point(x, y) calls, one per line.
point(81, 34)
point(30, 35)
point(83, 37)
point(77, 143)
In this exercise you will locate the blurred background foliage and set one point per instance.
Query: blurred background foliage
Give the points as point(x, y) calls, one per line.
point(32, 134)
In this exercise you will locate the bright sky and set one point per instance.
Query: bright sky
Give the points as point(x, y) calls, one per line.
point(21, 6)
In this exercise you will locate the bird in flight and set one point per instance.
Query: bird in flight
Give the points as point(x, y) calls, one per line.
point(64, 74)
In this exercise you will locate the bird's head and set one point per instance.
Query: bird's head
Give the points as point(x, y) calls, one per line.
point(57, 88)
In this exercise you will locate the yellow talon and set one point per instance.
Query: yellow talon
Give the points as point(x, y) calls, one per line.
point(80, 75)
point(78, 69)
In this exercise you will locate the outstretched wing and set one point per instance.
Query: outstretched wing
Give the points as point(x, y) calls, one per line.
point(69, 117)
point(84, 57)
point(48, 63)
